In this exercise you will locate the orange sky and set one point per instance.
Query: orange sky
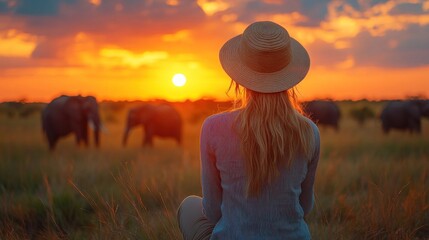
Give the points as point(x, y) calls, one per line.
point(123, 50)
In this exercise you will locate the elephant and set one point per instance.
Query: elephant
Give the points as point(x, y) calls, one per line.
point(71, 114)
point(404, 115)
point(323, 112)
point(157, 120)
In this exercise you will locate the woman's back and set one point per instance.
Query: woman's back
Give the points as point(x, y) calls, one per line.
point(277, 212)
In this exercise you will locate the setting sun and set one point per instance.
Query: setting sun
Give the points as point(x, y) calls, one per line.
point(179, 80)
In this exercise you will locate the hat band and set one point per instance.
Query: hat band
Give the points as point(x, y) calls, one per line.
point(265, 61)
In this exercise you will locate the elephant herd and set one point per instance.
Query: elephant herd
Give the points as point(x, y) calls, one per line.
point(399, 115)
point(66, 115)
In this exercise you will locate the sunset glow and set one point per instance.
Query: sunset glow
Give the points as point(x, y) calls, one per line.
point(130, 50)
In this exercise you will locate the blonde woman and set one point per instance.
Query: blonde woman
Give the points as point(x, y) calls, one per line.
point(258, 161)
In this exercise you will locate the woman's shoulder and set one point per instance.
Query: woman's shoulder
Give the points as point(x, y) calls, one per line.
point(313, 125)
point(221, 117)
point(220, 120)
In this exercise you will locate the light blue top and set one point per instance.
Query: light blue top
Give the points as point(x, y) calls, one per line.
point(277, 213)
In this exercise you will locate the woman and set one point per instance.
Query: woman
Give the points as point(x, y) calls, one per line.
point(258, 161)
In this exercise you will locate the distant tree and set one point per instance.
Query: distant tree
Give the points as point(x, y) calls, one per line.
point(361, 114)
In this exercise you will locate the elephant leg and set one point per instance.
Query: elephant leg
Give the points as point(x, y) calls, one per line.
point(148, 136)
point(77, 139)
point(76, 128)
point(414, 125)
point(336, 127)
point(385, 129)
point(85, 134)
point(80, 139)
point(147, 140)
point(52, 140)
point(96, 137)
point(85, 141)
point(125, 137)
point(52, 143)
point(419, 127)
point(178, 138)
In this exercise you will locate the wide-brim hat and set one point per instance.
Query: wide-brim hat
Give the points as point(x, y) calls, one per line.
point(265, 58)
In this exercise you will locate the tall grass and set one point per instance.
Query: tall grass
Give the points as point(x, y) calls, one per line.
point(368, 185)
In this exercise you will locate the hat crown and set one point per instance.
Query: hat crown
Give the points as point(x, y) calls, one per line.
point(265, 47)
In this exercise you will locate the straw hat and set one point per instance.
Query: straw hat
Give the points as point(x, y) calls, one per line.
point(265, 58)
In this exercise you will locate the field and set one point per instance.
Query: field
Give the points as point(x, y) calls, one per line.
point(368, 185)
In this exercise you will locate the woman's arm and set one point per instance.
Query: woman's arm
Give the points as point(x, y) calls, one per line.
point(306, 198)
point(210, 177)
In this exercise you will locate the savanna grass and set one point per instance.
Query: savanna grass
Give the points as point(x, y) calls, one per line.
point(368, 185)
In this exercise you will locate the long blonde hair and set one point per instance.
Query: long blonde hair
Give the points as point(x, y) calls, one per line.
point(272, 131)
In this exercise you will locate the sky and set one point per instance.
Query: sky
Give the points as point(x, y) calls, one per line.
point(130, 49)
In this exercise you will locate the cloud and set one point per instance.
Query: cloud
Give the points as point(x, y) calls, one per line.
point(3, 7)
point(343, 33)
point(315, 11)
point(325, 54)
point(14, 44)
point(372, 37)
point(407, 48)
point(395, 49)
point(38, 8)
point(211, 7)
point(122, 23)
point(121, 57)
point(182, 35)
point(407, 8)
point(52, 49)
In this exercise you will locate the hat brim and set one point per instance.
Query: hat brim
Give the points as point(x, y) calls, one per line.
point(272, 82)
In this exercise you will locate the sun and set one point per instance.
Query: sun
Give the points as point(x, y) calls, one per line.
point(179, 80)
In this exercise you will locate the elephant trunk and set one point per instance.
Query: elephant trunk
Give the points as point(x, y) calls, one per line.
point(125, 138)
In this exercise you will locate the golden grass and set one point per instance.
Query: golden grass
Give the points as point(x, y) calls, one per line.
point(368, 186)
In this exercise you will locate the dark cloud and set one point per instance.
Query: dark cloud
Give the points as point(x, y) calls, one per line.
point(315, 11)
point(37, 8)
point(407, 48)
point(253, 8)
point(363, 5)
point(407, 8)
point(3, 7)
